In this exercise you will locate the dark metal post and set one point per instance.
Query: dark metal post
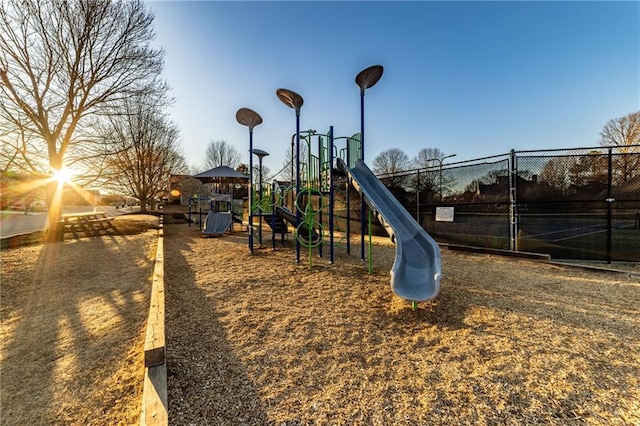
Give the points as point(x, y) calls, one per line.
point(273, 215)
point(250, 118)
point(295, 101)
point(609, 201)
point(261, 154)
point(321, 199)
point(365, 79)
point(362, 203)
point(331, 194)
point(251, 190)
point(292, 171)
point(418, 199)
point(297, 182)
point(260, 198)
point(513, 202)
point(189, 210)
point(440, 181)
point(348, 198)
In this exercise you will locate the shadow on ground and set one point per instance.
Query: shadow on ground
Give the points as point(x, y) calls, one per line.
point(213, 389)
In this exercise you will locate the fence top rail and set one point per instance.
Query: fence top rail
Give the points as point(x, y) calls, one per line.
point(554, 152)
point(632, 148)
point(435, 168)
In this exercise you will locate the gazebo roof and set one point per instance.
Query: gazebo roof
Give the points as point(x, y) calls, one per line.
point(220, 172)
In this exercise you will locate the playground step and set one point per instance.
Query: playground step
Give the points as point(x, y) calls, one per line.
point(277, 224)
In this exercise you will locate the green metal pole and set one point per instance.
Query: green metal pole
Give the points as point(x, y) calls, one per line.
point(309, 207)
point(308, 217)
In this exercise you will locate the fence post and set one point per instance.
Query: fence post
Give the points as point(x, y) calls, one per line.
point(348, 198)
point(609, 201)
point(418, 200)
point(513, 202)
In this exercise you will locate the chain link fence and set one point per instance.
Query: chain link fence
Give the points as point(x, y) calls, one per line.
point(581, 203)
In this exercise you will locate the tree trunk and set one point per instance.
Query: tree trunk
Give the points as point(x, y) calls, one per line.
point(143, 205)
point(54, 201)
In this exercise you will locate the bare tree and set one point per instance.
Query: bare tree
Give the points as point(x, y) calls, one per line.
point(389, 165)
point(243, 168)
point(288, 172)
point(589, 170)
point(64, 64)
point(180, 166)
point(265, 173)
point(147, 150)
point(556, 174)
point(427, 162)
point(427, 158)
point(624, 133)
point(189, 187)
point(221, 153)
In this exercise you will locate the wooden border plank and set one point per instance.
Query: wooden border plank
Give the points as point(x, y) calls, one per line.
point(154, 395)
point(154, 344)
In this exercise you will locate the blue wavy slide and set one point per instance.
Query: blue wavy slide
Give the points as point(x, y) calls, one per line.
point(217, 223)
point(417, 270)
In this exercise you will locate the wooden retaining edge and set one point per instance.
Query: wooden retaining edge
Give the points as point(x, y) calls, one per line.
point(154, 344)
point(499, 252)
point(598, 269)
point(154, 395)
point(539, 257)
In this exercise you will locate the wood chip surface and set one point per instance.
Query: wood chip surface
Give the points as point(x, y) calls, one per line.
point(73, 317)
point(258, 339)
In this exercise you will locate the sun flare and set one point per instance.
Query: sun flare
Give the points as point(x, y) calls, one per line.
point(64, 175)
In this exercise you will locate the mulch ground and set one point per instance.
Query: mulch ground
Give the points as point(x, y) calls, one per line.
point(73, 316)
point(258, 339)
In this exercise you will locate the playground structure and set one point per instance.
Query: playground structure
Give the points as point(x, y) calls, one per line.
point(308, 206)
point(416, 272)
point(219, 208)
point(220, 216)
point(218, 211)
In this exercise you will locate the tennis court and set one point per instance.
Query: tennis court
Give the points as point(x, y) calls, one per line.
point(563, 236)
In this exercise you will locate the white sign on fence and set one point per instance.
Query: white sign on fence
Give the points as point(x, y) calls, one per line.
point(444, 214)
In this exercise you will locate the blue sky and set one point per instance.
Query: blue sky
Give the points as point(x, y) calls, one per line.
point(469, 78)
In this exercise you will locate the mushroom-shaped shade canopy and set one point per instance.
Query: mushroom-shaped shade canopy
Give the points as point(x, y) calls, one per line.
point(369, 76)
point(259, 152)
point(248, 117)
point(290, 98)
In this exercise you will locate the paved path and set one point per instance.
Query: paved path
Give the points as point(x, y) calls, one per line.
point(17, 223)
